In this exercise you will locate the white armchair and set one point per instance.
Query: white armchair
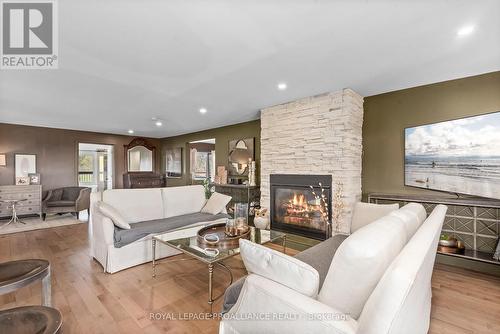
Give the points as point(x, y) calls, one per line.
point(371, 287)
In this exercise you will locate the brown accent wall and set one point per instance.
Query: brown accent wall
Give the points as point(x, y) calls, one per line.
point(222, 137)
point(57, 152)
point(387, 115)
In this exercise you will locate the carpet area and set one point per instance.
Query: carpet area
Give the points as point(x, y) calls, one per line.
point(36, 223)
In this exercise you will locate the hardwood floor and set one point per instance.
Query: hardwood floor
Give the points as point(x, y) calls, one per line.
point(94, 302)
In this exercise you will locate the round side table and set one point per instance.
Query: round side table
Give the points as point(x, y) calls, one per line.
point(17, 274)
point(13, 204)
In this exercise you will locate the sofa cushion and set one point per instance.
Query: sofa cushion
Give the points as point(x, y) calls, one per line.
point(142, 229)
point(113, 214)
point(136, 205)
point(319, 257)
point(71, 193)
point(280, 268)
point(359, 263)
point(216, 203)
point(183, 200)
point(365, 213)
point(60, 203)
point(232, 294)
point(412, 215)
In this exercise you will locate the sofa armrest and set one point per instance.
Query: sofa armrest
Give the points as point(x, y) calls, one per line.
point(82, 202)
point(103, 229)
point(47, 197)
point(280, 268)
point(265, 306)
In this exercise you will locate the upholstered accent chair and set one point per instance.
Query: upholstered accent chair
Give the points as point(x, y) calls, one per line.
point(67, 199)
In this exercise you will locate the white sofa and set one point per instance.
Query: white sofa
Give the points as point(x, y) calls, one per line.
point(138, 205)
point(379, 281)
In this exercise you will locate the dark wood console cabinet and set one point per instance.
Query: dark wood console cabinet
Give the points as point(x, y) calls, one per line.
point(241, 193)
point(143, 180)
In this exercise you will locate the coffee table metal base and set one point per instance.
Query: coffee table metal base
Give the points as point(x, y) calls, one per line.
point(211, 298)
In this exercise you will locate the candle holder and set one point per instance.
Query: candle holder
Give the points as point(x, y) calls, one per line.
point(241, 214)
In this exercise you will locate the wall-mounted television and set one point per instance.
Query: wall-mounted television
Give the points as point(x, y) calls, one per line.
point(459, 156)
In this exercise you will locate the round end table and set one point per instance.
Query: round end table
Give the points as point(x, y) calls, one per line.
point(13, 204)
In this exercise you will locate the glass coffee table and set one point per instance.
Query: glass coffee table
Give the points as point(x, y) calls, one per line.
point(185, 240)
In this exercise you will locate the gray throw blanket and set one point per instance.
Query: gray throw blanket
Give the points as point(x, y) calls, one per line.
point(319, 257)
point(139, 230)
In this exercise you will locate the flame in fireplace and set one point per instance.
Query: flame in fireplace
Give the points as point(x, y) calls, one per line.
point(299, 208)
point(299, 201)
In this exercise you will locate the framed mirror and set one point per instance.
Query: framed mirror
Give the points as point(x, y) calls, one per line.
point(140, 156)
point(241, 151)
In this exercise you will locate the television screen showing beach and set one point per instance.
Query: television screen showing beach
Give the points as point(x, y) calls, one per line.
point(459, 156)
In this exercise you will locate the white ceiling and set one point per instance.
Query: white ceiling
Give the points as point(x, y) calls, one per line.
point(123, 62)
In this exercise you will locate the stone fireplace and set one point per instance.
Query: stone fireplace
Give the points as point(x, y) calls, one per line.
point(313, 136)
point(295, 206)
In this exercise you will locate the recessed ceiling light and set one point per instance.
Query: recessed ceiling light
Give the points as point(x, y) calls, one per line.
point(158, 123)
point(203, 110)
point(464, 31)
point(130, 131)
point(282, 86)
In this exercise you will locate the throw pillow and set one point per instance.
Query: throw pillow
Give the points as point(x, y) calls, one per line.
point(216, 203)
point(279, 267)
point(113, 214)
point(366, 213)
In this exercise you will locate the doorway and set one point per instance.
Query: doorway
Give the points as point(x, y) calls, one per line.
point(95, 166)
point(202, 160)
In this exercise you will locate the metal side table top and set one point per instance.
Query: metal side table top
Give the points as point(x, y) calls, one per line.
point(30, 319)
point(17, 274)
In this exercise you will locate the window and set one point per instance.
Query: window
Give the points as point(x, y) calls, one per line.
point(85, 167)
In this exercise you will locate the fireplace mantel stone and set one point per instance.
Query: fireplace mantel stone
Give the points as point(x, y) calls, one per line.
point(315, 135)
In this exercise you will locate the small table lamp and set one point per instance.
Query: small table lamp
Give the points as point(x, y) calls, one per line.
point(3, 161)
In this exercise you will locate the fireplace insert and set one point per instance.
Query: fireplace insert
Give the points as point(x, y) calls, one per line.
point(297, 208)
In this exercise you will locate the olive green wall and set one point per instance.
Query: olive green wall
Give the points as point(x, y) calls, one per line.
point(222, 137)
point(386, 116)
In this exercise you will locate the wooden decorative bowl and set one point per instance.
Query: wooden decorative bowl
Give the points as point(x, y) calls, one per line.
point(450, 250)
point(452, 242)
point(225, 241)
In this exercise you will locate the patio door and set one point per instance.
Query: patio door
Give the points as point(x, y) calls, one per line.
point(95, 166)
